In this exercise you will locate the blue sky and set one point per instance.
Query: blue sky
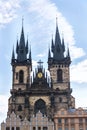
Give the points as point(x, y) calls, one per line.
point(39, 26)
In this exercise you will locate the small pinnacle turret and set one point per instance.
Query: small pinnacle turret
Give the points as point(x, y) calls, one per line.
point(63, 45)
point(13, 55)
point(52, 45)
point(49, 54)
point(68, 54)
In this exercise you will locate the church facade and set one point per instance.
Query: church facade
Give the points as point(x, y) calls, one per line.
point(40, 102)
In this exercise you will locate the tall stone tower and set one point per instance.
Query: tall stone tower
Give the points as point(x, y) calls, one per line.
point(58, 66)
point(21, 69)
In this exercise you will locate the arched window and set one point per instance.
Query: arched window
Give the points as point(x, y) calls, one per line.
point(60, 99)
point(40, 105)
point(19, 108)
point(59, 75)
point(20, 117)
point(21, 76)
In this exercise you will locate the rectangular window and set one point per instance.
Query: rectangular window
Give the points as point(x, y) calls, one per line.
point(81, 129)
point(66, 121)
point(86, 120)
point(12, 128)
point(44, 128)
point(59, 120)
point(72, 128)
point(72, 120)
point(60, 128)
point(17, 128)
point(39, 128)
point(34, 128)
point(80, 120)
point(7, 128)
point(66, 128)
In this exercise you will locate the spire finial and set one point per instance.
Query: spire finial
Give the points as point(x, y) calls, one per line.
point(22, 21)
point(27, 38)
point(13, 55)
point(56, 19)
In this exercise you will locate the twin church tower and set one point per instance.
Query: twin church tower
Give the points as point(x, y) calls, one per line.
point(43, 94)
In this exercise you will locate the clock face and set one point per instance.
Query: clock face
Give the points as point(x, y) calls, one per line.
point(40, 75)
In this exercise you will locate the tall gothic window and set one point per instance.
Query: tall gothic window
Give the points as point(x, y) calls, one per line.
point(21, 76)
point(19, 108)
point(59, 75)
point(40, 105)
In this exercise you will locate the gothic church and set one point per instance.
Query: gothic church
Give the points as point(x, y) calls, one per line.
point(36, 100)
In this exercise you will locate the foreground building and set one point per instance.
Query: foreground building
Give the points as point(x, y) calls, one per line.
point(40, 102)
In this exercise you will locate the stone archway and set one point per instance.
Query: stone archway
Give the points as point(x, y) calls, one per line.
point(40, 105)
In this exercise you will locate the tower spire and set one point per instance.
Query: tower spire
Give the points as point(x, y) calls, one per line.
point(21, 49)
point(27, 46)
point(17, 46)
point(13, 55)
point(57, 35)
point(49, 54)
point(57, 48)
point(52, 45)
point(22, 21)
point(68, 53)
point(30, 59)
point(63, 44)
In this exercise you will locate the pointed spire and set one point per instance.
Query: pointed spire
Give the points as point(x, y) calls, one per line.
point(22, 39)
point(52, 45)
point(30, 54)
point(21, 49)
point(57, 49)
point(68, 56)
point(17, 46)
point(63, 45)
point(49, 54)
point(13, 56)
point(68, 53)
point(57, 35)
point(27, 46)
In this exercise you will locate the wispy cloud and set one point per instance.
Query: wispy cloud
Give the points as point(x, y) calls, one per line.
point(34, 63)
point(41, 55)
point(3, 107)
point(8, 11)
point(79, 72)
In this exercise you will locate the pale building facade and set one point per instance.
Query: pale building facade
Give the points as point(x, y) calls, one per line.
point(72, 119)
point(38, 122)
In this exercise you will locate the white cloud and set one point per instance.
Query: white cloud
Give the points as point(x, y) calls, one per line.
point(79, 72)
point(8, 11)
point(41, 55)
point(34, 63)
point(76, 52)
point(3, 106)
